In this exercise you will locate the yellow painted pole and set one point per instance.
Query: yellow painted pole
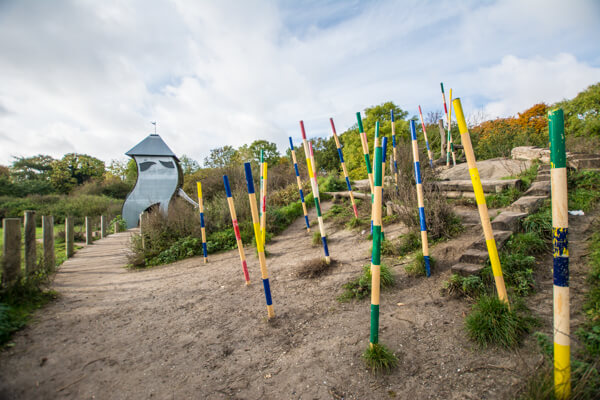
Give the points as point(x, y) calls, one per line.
point(480, 199)
point(560, 228)
point(260, 248)
point(341, 156)
point(236, 229)
point(202, 227)
point(365, 147)
point(263, 217)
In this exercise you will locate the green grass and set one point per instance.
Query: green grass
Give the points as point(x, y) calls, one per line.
point(492, 322)
point(417, 267)
point(589, 334)
point(379, 359)
point(508, 196)
point(360, 287)
point(464, 286)
point(584, 189)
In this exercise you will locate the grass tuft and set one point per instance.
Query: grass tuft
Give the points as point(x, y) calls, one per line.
point(315, 268)
point(417, 267)
point(379, 359)
point(491, 322)
point(361, 286)
point(460, 286)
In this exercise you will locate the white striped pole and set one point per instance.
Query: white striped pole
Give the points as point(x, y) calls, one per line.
point(429, 153)
point(560, 228)
point(202, 226)
point(263, 216)
point(420, 199)
point(341, 156)
point(299, 185)
point(394, 156)
point(236, 229)
point(365, 147)
point(315, 191)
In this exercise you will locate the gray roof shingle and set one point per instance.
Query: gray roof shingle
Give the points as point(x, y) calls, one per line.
point(152, 145)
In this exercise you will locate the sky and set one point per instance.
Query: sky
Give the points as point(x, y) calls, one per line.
point(88, 76)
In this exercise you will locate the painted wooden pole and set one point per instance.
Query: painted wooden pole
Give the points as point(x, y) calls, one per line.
point(394, 155)
point(383, 158)
point(480, 199)
point(202, 222)
point(447, 119)
point(260, 187)
point(48, 242)
point(341, 155)
point(299, 185)
point(11, 250)
point(263, 217)
point(442, 139)
point(102, 226)
point(450, 149)
point(315, 191)
point(376, 252)
point(429, 153)
point(365, 147)
point(236, 229)
point(116, 227)
point(560, 228)
point(420, 198)
point(69, 237)
point(30, 242)
point(259, 244)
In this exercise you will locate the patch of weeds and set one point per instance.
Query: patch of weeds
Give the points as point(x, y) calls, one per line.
point(339, 214)
point(315, 268)
point(527, 243)
point(464, 286)
point(492, 322)
point(589, 333)
point(540, 222)
point(409, 243)
point(361, 286)
point(390, 219)
point(316, 238)
point(357, 223)
point(586, 189)
point(417, 267)
point(503, 199)
point(389, 248)
point(379, 359)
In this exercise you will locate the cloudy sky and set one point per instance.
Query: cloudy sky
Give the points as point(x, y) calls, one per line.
point(88, 76)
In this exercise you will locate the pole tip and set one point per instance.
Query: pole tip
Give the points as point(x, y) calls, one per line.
point(302, 129)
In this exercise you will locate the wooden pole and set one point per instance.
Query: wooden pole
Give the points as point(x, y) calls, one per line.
point(299, 185)
point(365, 147)
point(11, 250)
point(394, 155)
point(263, 201)
point(450, 149)
point(315, 191)
point(30, 242)
point(376, 252)
point(560, 228)
point(69, 237)
point(202, 222)
point(48, 242)
point(420, 198)
point(480, 199)
point(102, 226)
point(88, 231)
point(259, 244)
point(236, 229)
point(446, 153)
point(260, 186)
point(442, 139)
point(341, 156)
point(429, 153)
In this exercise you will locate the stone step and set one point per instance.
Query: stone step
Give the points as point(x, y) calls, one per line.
point(474, 256)
point(542, 178)
point(539, 188)
point(528, 204)
point(500, 236)
point(508, 221)
point(585, 163)
point(489, 186)
point(465, 269)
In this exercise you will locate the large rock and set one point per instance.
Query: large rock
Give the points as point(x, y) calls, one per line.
point(474, 256)
point(500, 236)
point(528, 204)
point(466, 269)
point(530, 153)
point(489, 186)
point(539, 188)
point(495, 168)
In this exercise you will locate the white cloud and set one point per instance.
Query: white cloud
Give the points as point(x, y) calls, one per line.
point(89, 76)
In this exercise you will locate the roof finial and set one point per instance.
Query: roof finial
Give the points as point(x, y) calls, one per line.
point(154, 123)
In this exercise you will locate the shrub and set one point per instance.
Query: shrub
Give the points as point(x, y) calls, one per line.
point(492, 322)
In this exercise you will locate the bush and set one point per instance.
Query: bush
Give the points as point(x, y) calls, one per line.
point(492, 322)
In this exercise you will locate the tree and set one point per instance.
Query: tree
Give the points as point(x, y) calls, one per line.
point(188, 165)
point(32, 168)
point(75, 169)
point(582, 114)
point(221, 157)
point(271, 155)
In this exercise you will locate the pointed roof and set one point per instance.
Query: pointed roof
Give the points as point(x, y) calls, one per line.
point(152, 145)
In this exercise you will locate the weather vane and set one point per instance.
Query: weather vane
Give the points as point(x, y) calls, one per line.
point(154, 123)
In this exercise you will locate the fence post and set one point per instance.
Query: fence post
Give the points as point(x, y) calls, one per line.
point(116, 227)
point(102, 226)
point(48, 242)
point(30, 245)
point(88, 231)
point(11, 248)
point(69, 237)
point(142, 218)
point(442, 139)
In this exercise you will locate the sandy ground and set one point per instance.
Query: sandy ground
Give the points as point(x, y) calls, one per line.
point(193, 331)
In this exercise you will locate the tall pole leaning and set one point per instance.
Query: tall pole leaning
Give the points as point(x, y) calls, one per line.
point(420, 198)
point(202, 224)
point(560, 228)
point(394, 156)
point(258, 237)
point(341, 156)
point(376, 252)
point(299, 185)
point(429, 153)
point(480, 199)
point(236, 229)
point(365, 147)
point(315, 191)
point(263, 202)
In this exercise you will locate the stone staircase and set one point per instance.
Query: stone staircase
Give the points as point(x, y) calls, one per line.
point(473, 260)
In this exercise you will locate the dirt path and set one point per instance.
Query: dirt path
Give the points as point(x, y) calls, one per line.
point(189, 330)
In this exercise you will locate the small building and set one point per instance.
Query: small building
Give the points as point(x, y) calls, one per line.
point(159, 178)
